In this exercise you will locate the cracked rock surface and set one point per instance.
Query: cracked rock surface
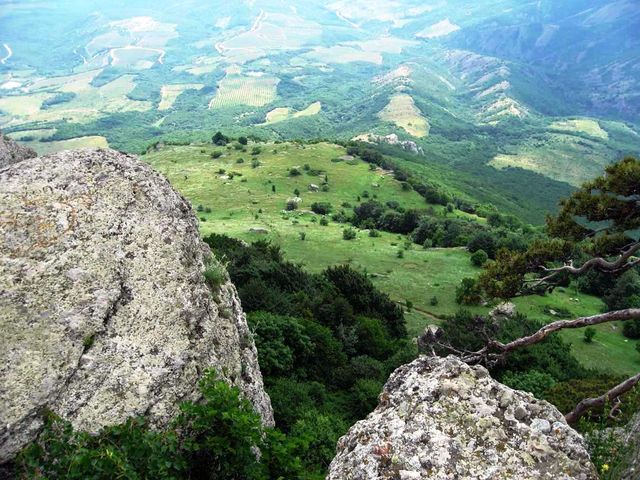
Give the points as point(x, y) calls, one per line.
point(440, 419)
point(104, 310)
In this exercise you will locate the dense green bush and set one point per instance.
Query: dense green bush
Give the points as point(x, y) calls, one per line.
point(321, 208)
point(349, 234)
point(479, 258)
point(217, 438)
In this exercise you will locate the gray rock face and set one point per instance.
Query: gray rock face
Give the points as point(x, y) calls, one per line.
point(104, 310)
point(632, 439)
point(442, 419)
point(11, 152)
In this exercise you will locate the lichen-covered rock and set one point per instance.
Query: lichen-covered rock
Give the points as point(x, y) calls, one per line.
point(632, 439)
point(439, 418)
point(104, 310)
point(11, 152)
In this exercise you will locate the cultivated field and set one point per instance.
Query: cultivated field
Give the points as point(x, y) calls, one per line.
point(33, 139)
point(340, 54)
point(89, 102)
point(170, 93)
point(284, 113)
point(237, 89)
point(402, 111)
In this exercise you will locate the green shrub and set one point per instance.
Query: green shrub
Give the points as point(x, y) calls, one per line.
point(321, 208)
point(255, 163)
point(374, 233)
point(215, 274)
point(324, 221)
point(216, 154)
point(589, 333)
point(434, 301)
point(479, 258)
point(215, 438)
point(349, 234)
point(294, 172)
point(532, 381)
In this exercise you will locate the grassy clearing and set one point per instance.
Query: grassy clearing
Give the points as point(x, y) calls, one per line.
point(560, 156)
point(248, 201)
point(170, 93)
point(281, 114)
point(581, 125)
point(46, 148)
point(341, 54)
point(402, 111)
point(245, 90)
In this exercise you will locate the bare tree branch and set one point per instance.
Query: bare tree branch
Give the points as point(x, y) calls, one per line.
point(495, 350)
point(611, 396)
point(616, 266)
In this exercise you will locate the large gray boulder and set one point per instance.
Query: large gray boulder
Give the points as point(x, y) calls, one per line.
point(11, 152)
point(439, 418)
point(104, 309)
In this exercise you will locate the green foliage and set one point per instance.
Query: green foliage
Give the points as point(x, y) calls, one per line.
point(468, 292)
point(479, 258)
point(348, 234)
point(222, 433)
point(216, 438)
point(57, 99)
point(215, 274)
point(219, 139)
point(129, 450)
point(532, 381)
point(465, 331)
point(242, 140)
point(216, 154)
point(589, 334)
point(321, 208)
point(324, 221)
point(568, 393)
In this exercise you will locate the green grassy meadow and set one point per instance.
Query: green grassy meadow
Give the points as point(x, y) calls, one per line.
point(235, 206)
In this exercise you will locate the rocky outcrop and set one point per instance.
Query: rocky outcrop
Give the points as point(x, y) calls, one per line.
point(104, 309)
point(439, 418)
point(391, 139)
point(632, 440)
point(11, 152)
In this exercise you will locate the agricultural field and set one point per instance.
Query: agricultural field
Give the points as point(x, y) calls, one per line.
point(170, 93)
point(237, 199)
point(238, 89)
point(340, 54)
point(284, 113)
point(402, 112)
point(48, 147)
point(84, 102)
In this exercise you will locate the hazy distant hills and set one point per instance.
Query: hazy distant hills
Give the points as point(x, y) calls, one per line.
point(551, 87)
